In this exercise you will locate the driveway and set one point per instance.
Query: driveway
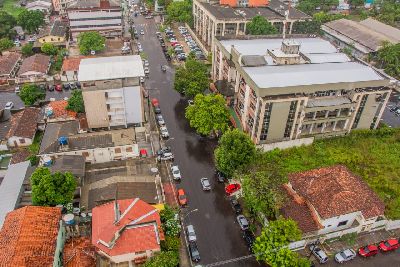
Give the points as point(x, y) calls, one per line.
point(13, 97)
point(218, 234)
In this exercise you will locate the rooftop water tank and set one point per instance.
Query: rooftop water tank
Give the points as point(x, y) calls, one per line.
point(63, 140)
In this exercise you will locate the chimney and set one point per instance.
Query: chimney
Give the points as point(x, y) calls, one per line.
point(117, 212)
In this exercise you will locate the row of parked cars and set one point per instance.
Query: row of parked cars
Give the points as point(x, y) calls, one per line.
point(56, 87)
point(395, 110)
point(349, 254)
point(194, 48)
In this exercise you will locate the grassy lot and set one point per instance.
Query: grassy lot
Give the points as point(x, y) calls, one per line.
point(373, 155)
point(12, 7)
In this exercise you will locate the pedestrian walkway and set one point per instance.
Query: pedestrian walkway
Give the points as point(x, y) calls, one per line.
point(169, 194)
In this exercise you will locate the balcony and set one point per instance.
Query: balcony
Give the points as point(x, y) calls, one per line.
point(328, 103)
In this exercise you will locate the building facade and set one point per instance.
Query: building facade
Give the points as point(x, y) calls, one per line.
point(226, 19)
point(111, 91)
point(298, 88)
point(103, 16)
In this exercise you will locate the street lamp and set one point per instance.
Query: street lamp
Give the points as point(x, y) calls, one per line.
point(187, 214)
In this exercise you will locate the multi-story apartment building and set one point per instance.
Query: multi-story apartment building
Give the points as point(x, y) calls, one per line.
point(60, 6)
point(229, 18)
point(103, 16)
point(111, 90)
point(302, 87)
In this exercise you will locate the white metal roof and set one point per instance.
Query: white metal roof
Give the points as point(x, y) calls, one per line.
point(260, 46)
point(309, 74)
point(10, 188)
point(94, 15)
point(105, 68)
point(104, 22)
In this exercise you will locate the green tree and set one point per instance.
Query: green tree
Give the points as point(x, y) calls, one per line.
point(5, 44)
point(191, 78)
point(27, 50)
point(389, 59)
point(180, 11)
point(271, 245)
point(356, 3)
point(90, 41)
point(387, 11)
point(31, 20)
point(167, 213)
point(208, 114)
point(52, 189)
point(312, 6)
point(261, 26)
point(49, 49)
point(163, 259)
point(30, 93)
point(235, 150)
point(171, 243)
point(7, 23)
point(75, 102)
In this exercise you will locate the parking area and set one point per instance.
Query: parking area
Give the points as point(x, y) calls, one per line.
point(391, 115)
point(6, 97)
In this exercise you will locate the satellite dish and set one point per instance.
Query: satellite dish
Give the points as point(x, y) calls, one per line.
point(154, 170)
point(92, 52)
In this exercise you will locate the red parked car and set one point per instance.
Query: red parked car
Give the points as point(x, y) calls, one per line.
point(182, 197)
point(58, 87)
point(368, 251)
point(154, 102)
point(232, 188)
point(390, 244)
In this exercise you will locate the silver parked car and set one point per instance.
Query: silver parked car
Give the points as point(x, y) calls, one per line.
point(176, 173)
point(243, 223)
point(205, 183)
point(345, 255)
point(191, 235)
point(319, 254)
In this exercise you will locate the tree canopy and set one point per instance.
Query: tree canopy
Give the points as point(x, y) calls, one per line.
point(235, 150)
point(52, 189)
point(163, 259)
point(7, 23)
point(208, 114)
point(31, 20)
point(389, 58)
point(75, 102)
point(271, 245)
point(260, 26)
point(191, 78)
point(49, 49)
point(387, 11)
point(90, 41)
point(180, 11)
point(312, 6)
point(5, 44)
point(27, 50)
point(314, 26)
point(30, 93)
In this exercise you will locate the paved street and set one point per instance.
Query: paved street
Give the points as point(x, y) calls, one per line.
point(218, 234)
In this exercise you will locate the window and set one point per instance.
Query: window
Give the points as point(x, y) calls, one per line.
point(22, 141)
point(129, 149)
point(342, 223)
point(85, 154)
point(117, 150)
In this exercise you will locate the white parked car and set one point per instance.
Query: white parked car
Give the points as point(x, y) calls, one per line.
point(176, 173)
point(146, 70)
point(205, 183)
point(191, 233)
point(345, 255)
point(142, 32)
point(166, 156)
point(146, 63)
point(9, 105)
point(164, 132)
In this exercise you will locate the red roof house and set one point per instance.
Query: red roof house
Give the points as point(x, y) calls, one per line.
point(127, 230)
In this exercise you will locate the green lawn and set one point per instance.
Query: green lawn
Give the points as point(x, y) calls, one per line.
point(373, 155)
point(12, 7)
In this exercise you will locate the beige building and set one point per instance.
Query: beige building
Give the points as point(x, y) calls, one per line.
point(297, 88)
point(211, 20)
point(111, 91)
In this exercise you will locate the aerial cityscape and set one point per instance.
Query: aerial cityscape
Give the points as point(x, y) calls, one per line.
point(199, 133)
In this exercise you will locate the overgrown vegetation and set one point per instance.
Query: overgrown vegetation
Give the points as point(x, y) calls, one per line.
point(314, 25)
point(180, 11)
point(75, 102)
point(389, 59)
point(259, 25)
point(372, 154)
point(90, 41)
point(191, 78)
point(30, 93)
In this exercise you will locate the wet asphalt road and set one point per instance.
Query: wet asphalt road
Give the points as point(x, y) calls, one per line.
point(218, 234)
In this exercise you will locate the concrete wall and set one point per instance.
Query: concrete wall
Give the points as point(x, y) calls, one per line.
point(279, 115)
point(133, 105)
point(331, 224)
point(58, 258)
point(368, 113)
point(287, 144)
point(15, 141)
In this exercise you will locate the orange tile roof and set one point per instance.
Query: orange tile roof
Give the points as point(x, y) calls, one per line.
point(71, 63)
point(334, 191)
point(59, 109)
point(28, 237)
point(139, 227)
point(79, 252)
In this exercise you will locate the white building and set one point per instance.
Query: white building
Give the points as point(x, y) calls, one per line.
point(111, 91)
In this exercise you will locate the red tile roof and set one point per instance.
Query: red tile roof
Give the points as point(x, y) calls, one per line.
point(36, 63)
point(7, 62)
point(24, 123)
point(28, 237)
point(297, 209)
point(334, 191)
point(79, 252)
point(139, 226)
point(20, 156)
point(71, 63)
point(60, 111)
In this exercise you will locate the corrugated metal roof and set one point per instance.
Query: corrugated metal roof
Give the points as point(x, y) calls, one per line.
point(93, 14)
point(10, 188)
point(105, 22)
point(105, 68)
